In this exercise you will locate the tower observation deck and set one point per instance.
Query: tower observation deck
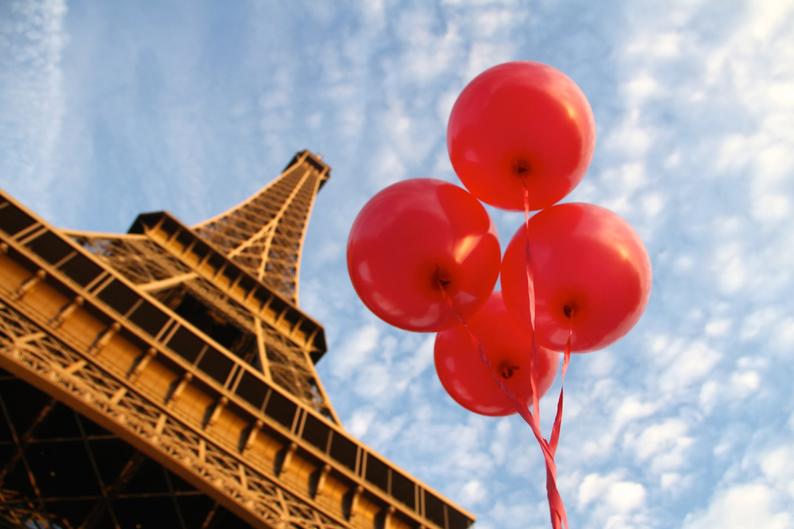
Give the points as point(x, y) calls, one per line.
point(164, 378)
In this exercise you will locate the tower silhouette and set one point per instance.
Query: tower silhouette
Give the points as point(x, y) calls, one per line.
point(165, 378)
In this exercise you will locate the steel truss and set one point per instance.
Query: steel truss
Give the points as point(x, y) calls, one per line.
point(170, 375)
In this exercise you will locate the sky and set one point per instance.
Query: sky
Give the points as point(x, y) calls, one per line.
point(108, 109)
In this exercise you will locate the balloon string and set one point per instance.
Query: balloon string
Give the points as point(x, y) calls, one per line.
point(559, 518)
point(530, 281)
point(555, 431)
point(558, 515)
point(531, 295)
point(556, 507)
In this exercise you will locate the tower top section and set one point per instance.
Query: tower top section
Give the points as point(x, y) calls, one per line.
point(264, 234)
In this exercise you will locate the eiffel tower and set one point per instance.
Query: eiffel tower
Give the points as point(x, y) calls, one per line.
point(165, 378)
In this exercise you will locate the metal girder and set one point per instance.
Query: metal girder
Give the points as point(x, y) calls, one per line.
point(193, 354)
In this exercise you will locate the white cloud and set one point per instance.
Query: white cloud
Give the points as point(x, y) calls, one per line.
point(777, 465)
point(688, 364)
point(416, 360)
point(742, 383)
point(619, 495)
point(427, 52)
point(709, 394)
point(501, 442)
point(359, 423)
point(596, 418)
point(32, 101)
point(652, 204)
point(631, 409)
point(592, 487)
point(275, 109)
point(494, 22)
point(683, 264)
point(729, 267)
point(611, 501)
point(674, 482)
point(664, 445)
point(739, 507)
point(372, 380)
point(758, 321)
point(373, 13)
point(625, 496)
point(473, 492)
point(387, 168)
point(745, 382)
point(717, 326)
point(665, 45)
point(631, 138)
point(641, 87)
point(767, 18)
point(484, 54)
point(385, 430)
point(444, 107)
point(785, 332)
point(355, 349)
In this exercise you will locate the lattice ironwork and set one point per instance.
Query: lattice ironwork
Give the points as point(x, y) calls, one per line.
point(23, 343)
point(19, 512)
point(265, 233)
point(171, 380)
point(141, 260)
point(155, 270)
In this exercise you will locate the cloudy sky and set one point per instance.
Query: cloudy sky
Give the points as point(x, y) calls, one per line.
point(108, 109)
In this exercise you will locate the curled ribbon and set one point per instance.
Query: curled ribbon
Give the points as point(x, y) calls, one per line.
point(557, 514)
point(559, 519)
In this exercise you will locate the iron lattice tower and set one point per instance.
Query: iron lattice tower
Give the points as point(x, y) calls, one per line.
point(165, 378)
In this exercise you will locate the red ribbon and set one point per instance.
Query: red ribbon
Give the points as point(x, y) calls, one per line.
point(559, 519)
point(557, 514)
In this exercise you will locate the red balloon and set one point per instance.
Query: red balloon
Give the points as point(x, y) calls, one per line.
point(587, 263)
point(418, 246)
point(508, 347)
point(517, 124)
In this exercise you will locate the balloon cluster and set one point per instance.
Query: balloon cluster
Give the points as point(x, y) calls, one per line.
point(423, 254)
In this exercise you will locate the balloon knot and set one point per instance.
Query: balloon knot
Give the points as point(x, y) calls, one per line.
point(440, 279)
point(521, 168)
point(506, 371)
point(568, 310)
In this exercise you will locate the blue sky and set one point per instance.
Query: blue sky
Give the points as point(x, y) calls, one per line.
point(108, 109)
